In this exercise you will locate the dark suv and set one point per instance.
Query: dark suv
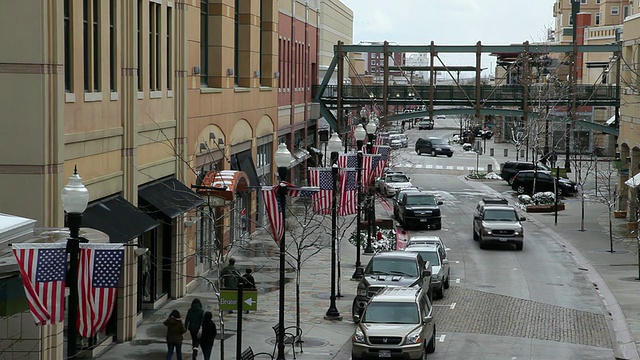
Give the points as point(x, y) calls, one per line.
point(510, 168)
point(523, 183)
point(392, 268)
point(419, 209)
point(434, 146)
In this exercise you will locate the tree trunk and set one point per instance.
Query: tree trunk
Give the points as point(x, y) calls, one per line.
point(582, 210)
point(299, 262)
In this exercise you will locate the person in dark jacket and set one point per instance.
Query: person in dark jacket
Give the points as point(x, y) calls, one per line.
point(208, 335)
point(230, 275)
point(249, 282)
point(193, 321)
point(175, 329)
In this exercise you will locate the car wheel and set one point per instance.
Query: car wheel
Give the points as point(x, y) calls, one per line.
point(482, 244)
point(354, 357)
point(440, 293)
point(510, 181)
point(519, 246)
point(520, 189)
point(354, 310)
point(475, 235)
point(433, 153)
point(446, 281)
point(431, 346)
point(560, 191)
point(438, 226)
point(419, 152)
point(449, 155)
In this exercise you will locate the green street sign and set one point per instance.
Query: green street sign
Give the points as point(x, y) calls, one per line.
point(229, 300)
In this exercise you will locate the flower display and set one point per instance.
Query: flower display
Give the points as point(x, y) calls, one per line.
point(382, 239)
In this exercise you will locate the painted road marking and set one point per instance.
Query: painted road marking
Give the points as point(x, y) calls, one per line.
point(442, 338)
point(457, 281)
point(459, 167)
point(439, 167)
point(419, 166)
point(449, 167)
point(457, 261)
point(453, 306)
point(428, 166)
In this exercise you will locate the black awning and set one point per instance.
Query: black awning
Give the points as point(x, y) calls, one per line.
point(244, 162)
point(167, 198)
point(118, 218)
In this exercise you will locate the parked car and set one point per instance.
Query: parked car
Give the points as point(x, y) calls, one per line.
point(378, 183)
point(498, 224)
point(427, 239)
point(398, 322)
point(440, 270)
point(393, 183)
point(523, 183)
point(419, 209)
point(434, 146)
point(440, 117)
point(510, 168)
point(391, 268)
point(425, 124)
point(398, 197)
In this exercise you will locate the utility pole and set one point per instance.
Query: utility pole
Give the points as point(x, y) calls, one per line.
point(573, 79)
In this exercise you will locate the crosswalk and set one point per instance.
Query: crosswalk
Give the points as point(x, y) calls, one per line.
point(440, 167)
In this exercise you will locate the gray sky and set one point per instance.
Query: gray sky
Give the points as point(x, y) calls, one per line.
point(452, 22)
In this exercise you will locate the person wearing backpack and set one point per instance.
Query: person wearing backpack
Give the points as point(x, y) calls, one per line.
point(193, 321)
point(208, 335)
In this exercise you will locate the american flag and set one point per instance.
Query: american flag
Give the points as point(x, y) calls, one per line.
point(274, 208)
point(384, 152)
point(348, 192)
point(382, 138)
point(43, 269)
point(99, 271)
point(369, 165)
point(347, 161)
point(323, 199)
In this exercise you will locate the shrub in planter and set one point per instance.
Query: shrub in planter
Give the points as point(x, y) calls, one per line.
point(383, 239)
point(525, 199)
point(544, 198)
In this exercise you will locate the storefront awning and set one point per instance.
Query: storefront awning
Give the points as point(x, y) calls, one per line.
point(224, 183)
point(634, 182)
point(117, 218)
point(244, 162)
point(167, 198)
point(299, 155)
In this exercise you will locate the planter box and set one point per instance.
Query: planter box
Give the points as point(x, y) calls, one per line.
point(544, 208)
point(620, 214)
point(632, 225)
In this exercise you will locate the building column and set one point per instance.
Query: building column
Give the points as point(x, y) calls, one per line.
point(178, 253)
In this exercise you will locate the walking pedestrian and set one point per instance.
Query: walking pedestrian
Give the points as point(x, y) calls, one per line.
point(192, 322)
point(249, 282)
point(229, 276)
point(209, 332)
point(175, 329)
point(553, 158)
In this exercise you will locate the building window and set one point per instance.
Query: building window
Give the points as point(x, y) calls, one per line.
point(169, 63)
point(204, 42)
point(598, 1)
point(597, 18)
point(236, 40)
point(68, 43)
point(615, 10)
point(583, 2)
point(112, 45)
point(625, 11)
point(154, 46)
point(91, 42)
point(139, 29)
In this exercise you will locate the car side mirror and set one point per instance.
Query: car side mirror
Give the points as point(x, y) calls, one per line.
point(477, 217)
point(426, 272)
point(445, 261)
point(427, 319)
point(356, 318)
point(522, 218)
point(440, 203)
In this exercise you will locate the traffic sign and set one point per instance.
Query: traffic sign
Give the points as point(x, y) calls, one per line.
point(229, 300)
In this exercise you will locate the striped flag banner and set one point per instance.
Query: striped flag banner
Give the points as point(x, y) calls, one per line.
point(384, 151)
point(323, 199)
point(99, 271)
point(43, 268)
point(382, 138)
point(369, 166)
point(349, 160)
point(274, 208)
point(348, 203)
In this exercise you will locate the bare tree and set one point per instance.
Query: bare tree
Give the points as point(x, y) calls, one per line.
point(606, 193)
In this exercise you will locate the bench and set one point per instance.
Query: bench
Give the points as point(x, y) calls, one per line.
point(250, 355)
point(289, 338)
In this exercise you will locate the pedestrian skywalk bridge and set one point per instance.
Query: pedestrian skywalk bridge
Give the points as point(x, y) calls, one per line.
point(439, 167)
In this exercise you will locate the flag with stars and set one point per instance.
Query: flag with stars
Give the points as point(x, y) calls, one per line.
point(348, 192)
point(99, 271)
point(347, 161)
point(275, 209)
point(369, 166)
point(43, 268)
point(323, 199)
point(384, 152)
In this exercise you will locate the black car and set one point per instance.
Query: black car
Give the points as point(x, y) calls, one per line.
point(510, 168)
point(523, 183)
point(419, 209)
point(434, 146)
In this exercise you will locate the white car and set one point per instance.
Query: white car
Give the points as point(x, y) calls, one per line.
point(394, 183)
point(426, 240)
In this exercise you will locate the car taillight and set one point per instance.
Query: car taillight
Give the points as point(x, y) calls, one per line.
point(515, 177)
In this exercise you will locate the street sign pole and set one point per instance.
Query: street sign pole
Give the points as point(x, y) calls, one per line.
point(239, 304)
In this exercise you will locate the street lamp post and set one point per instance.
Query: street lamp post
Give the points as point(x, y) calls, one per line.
point(282, 159)
point(334, 145)
point(359, 133)
point(75, 198)
point(371, 130)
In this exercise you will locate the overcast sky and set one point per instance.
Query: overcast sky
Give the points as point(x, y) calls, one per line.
point(452, 22)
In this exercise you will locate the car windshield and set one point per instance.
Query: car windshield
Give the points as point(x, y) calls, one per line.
point(500, 215)
point(437, 142)
point(391, 313)
point(406, 267)
point(397, 178)
point(421, 200)
point(430, 256)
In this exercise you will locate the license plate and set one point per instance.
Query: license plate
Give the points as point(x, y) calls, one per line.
point(503, 239)
point(384, 353)
point(423, 220)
